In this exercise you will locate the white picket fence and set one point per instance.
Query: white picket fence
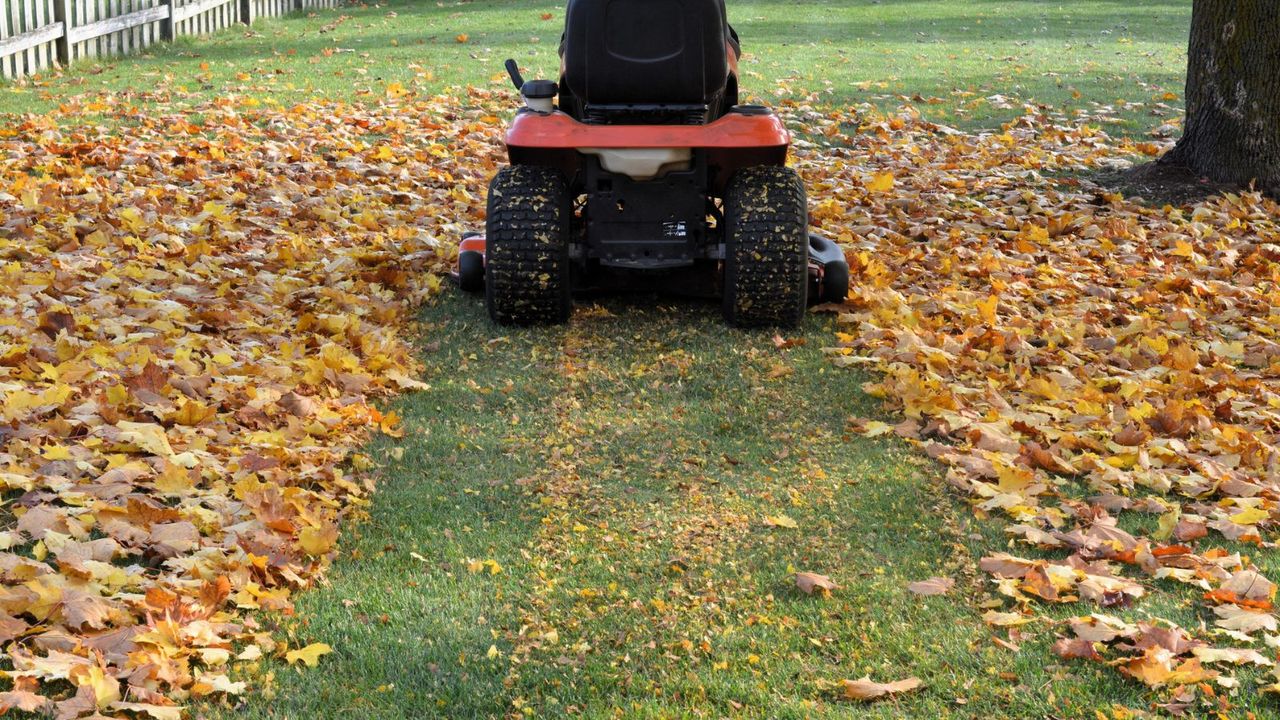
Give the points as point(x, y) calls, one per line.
point(36, 35)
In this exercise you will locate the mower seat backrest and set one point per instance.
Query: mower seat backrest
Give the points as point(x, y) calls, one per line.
point(646, 52)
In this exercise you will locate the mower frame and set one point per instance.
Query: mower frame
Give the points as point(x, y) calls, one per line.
point(656, 223)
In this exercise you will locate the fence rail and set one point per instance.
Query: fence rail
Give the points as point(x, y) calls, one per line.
point(36, 35)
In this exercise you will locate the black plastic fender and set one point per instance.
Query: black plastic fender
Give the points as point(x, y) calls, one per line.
point(833, 284)
point(470, 271)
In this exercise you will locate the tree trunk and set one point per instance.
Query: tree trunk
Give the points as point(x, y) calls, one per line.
point(1232, 132)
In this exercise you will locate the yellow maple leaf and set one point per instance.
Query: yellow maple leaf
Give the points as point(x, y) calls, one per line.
point(131, 219)
point(318, 540)
point(876, 428)
point(477, 566)
point(56, 452)
point(987, 309)
point(1037, 234)
point(192, 413)
point(106, 688)
point(146, 436)
point(158, 712)
point(881, 182)
point(309, 655)
point(1250, 516)
point(174, 480)
point(117, 394)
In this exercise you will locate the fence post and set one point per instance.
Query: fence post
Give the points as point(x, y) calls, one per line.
point(62, 14)
point(166, 25)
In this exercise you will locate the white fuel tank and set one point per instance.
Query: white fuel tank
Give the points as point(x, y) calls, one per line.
point(642, 163)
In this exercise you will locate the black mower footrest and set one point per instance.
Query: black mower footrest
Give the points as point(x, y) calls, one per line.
point(831, 282)
point(824, 251)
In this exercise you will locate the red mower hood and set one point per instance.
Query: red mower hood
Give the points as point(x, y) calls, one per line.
point(733, 131)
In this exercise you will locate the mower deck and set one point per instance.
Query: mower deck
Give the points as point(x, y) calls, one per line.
point(828, 274)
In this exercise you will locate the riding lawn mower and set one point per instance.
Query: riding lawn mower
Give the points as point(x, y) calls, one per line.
point(639, 161)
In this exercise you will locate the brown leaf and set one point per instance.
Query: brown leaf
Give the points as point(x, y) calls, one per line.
point(82, 609)
point(782, 343)
point(297, 405)
point(1131, 435)
point(56, 321)
point(809, 583)
point(1251, 585)
point(169, 539)
point(1038, 457)
point(1006, 566)
point(1173, 639)
point(1076, 648)
point(1187, 530)
point(151, 378)
point(83, 702)
point(1096, 629)
point(932, 586)
point(866, 689)
point(1234, 617)
point(23, 697)
point(10, 627)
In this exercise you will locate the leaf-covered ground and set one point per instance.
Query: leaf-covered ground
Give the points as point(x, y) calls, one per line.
point(195, 321)
point(1099, 373)
point(641, 514)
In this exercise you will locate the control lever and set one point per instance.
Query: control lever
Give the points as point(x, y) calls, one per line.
point(514, 71)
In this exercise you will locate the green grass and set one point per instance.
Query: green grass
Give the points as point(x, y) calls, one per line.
point(944, 56)
point(620, 472)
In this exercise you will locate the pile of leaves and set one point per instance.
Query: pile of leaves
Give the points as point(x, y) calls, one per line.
point(1100, 372)
point(195, 321)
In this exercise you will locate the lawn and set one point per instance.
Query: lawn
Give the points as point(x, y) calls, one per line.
point(578, 523)
point(972, 64)
point(604, 520)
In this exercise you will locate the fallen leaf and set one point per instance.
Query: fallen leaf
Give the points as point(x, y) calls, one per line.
point(866, 689)
point(932, 586)
point(1006, 619)
point(309, 655)
point(781, 521)
point(881, 182)
point(810, 583)
point(1076, 648)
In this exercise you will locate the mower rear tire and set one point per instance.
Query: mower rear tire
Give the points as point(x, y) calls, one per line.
point(766, 264)
point(527, 274)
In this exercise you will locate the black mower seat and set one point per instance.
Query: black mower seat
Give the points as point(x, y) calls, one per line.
point(621, 56)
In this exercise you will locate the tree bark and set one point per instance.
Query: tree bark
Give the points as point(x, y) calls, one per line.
point(1232, 131)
